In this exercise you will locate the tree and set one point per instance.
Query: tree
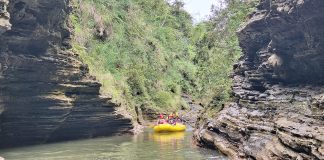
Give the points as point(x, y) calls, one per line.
point(178, 4)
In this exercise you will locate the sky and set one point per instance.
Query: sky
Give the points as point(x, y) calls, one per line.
point(200, 9)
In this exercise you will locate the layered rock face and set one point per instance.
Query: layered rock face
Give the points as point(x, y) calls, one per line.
point(46, 93)
point(278, 84)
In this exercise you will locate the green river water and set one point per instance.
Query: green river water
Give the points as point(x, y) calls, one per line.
point(144, 146)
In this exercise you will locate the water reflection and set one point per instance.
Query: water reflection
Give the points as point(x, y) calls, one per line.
point(167, 138)
point(146, 146)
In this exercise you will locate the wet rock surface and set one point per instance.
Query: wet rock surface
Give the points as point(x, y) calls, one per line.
point(278, 84)
point(46, 93)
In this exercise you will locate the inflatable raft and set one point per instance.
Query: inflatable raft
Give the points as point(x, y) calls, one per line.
point(169, 128)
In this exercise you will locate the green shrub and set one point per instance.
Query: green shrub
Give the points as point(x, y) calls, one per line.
point(153, 53)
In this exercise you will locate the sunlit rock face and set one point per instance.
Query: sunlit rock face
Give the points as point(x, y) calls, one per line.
point(46, 93)
point(4, 16)
point(278, 85)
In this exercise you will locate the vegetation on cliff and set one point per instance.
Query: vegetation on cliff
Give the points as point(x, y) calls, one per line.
point(217, 49)
point(148, 53)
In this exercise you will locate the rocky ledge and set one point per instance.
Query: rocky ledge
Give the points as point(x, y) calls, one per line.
point(278, 87)
point(46, 93)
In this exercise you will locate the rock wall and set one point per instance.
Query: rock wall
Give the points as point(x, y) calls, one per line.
point(46, 93)
point(278, 84)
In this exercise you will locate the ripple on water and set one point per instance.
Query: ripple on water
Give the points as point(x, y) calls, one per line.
point(145, 146)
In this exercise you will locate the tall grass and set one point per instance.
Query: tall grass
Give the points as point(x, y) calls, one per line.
point(153, 53)
point(145, 60)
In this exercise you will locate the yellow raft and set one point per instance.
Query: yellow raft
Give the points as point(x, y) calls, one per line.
point(169, 128)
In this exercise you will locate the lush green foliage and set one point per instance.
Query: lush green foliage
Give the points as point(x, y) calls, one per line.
point(153, 53)
point(147, 58)
point(218, 49)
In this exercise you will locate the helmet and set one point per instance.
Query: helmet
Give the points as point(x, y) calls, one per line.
point(161, 116)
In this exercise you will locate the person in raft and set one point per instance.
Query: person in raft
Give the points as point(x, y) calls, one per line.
point(171, 119)
point(161, 119)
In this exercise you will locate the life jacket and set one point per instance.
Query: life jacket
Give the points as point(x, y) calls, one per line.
point(161, 116)
point(161, 121)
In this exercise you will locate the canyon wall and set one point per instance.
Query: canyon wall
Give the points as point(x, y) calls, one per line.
point(46, 92)
point(278, 86)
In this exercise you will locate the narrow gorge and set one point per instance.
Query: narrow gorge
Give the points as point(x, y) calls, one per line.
point(46, 93)
point(278, 86)
point(59, 59)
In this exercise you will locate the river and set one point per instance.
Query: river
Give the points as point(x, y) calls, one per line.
point(144, 146)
